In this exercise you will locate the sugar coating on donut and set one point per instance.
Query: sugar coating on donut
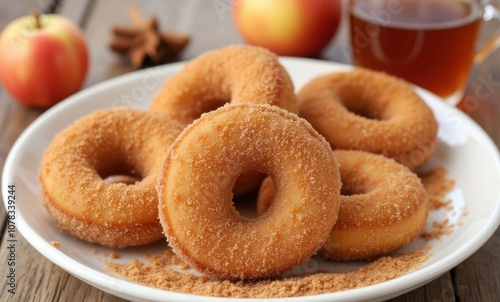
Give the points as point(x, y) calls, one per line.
point(237, 74)
point(383, 207)
point(370, 111)
point(386, 208)
point(196, 210)
point(106, 143)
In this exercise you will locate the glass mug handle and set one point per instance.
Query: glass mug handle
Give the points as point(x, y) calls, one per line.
point(491, 12)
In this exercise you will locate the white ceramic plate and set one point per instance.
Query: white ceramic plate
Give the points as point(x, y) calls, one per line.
point(468, 153)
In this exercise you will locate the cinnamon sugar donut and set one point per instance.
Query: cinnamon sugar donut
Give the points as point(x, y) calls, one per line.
point(196, 209)
point(235, 74)
point(116, 212)
point(370, 111)
point(383, 207)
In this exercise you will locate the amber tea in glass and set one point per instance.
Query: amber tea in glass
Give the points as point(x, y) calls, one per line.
point(430, 43)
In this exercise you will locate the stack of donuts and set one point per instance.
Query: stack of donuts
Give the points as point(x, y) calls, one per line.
point(332, 166)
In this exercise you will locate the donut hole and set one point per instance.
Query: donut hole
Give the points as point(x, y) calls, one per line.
point(245, 193)
point(351, 188)
point(120, 170)
point(247, 182)
point(125, 179)
point(361, 104)
point(245, 205)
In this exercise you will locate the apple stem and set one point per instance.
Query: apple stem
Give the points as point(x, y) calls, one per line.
point(36, 15)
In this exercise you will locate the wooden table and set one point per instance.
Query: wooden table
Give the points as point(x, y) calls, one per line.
point(210, 26)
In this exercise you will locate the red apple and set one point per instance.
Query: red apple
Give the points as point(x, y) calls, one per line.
point(43, 59)
point(288, 27)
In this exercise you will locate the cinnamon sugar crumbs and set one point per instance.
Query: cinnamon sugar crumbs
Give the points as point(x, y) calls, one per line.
point(440, 228)
point(55, 244)
point(114, 255)
point(437, 186)
point(167, 258)
point(160, 275)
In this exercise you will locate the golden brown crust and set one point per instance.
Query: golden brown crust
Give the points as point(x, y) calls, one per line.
point(196, 210)
point(383, 207)
point(236, 74)
point(370, 111)
point(105, 143)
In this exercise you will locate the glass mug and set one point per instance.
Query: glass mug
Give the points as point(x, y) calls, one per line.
point(431, 43)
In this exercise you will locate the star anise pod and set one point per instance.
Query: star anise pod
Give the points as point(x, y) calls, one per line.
point(145, 44)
